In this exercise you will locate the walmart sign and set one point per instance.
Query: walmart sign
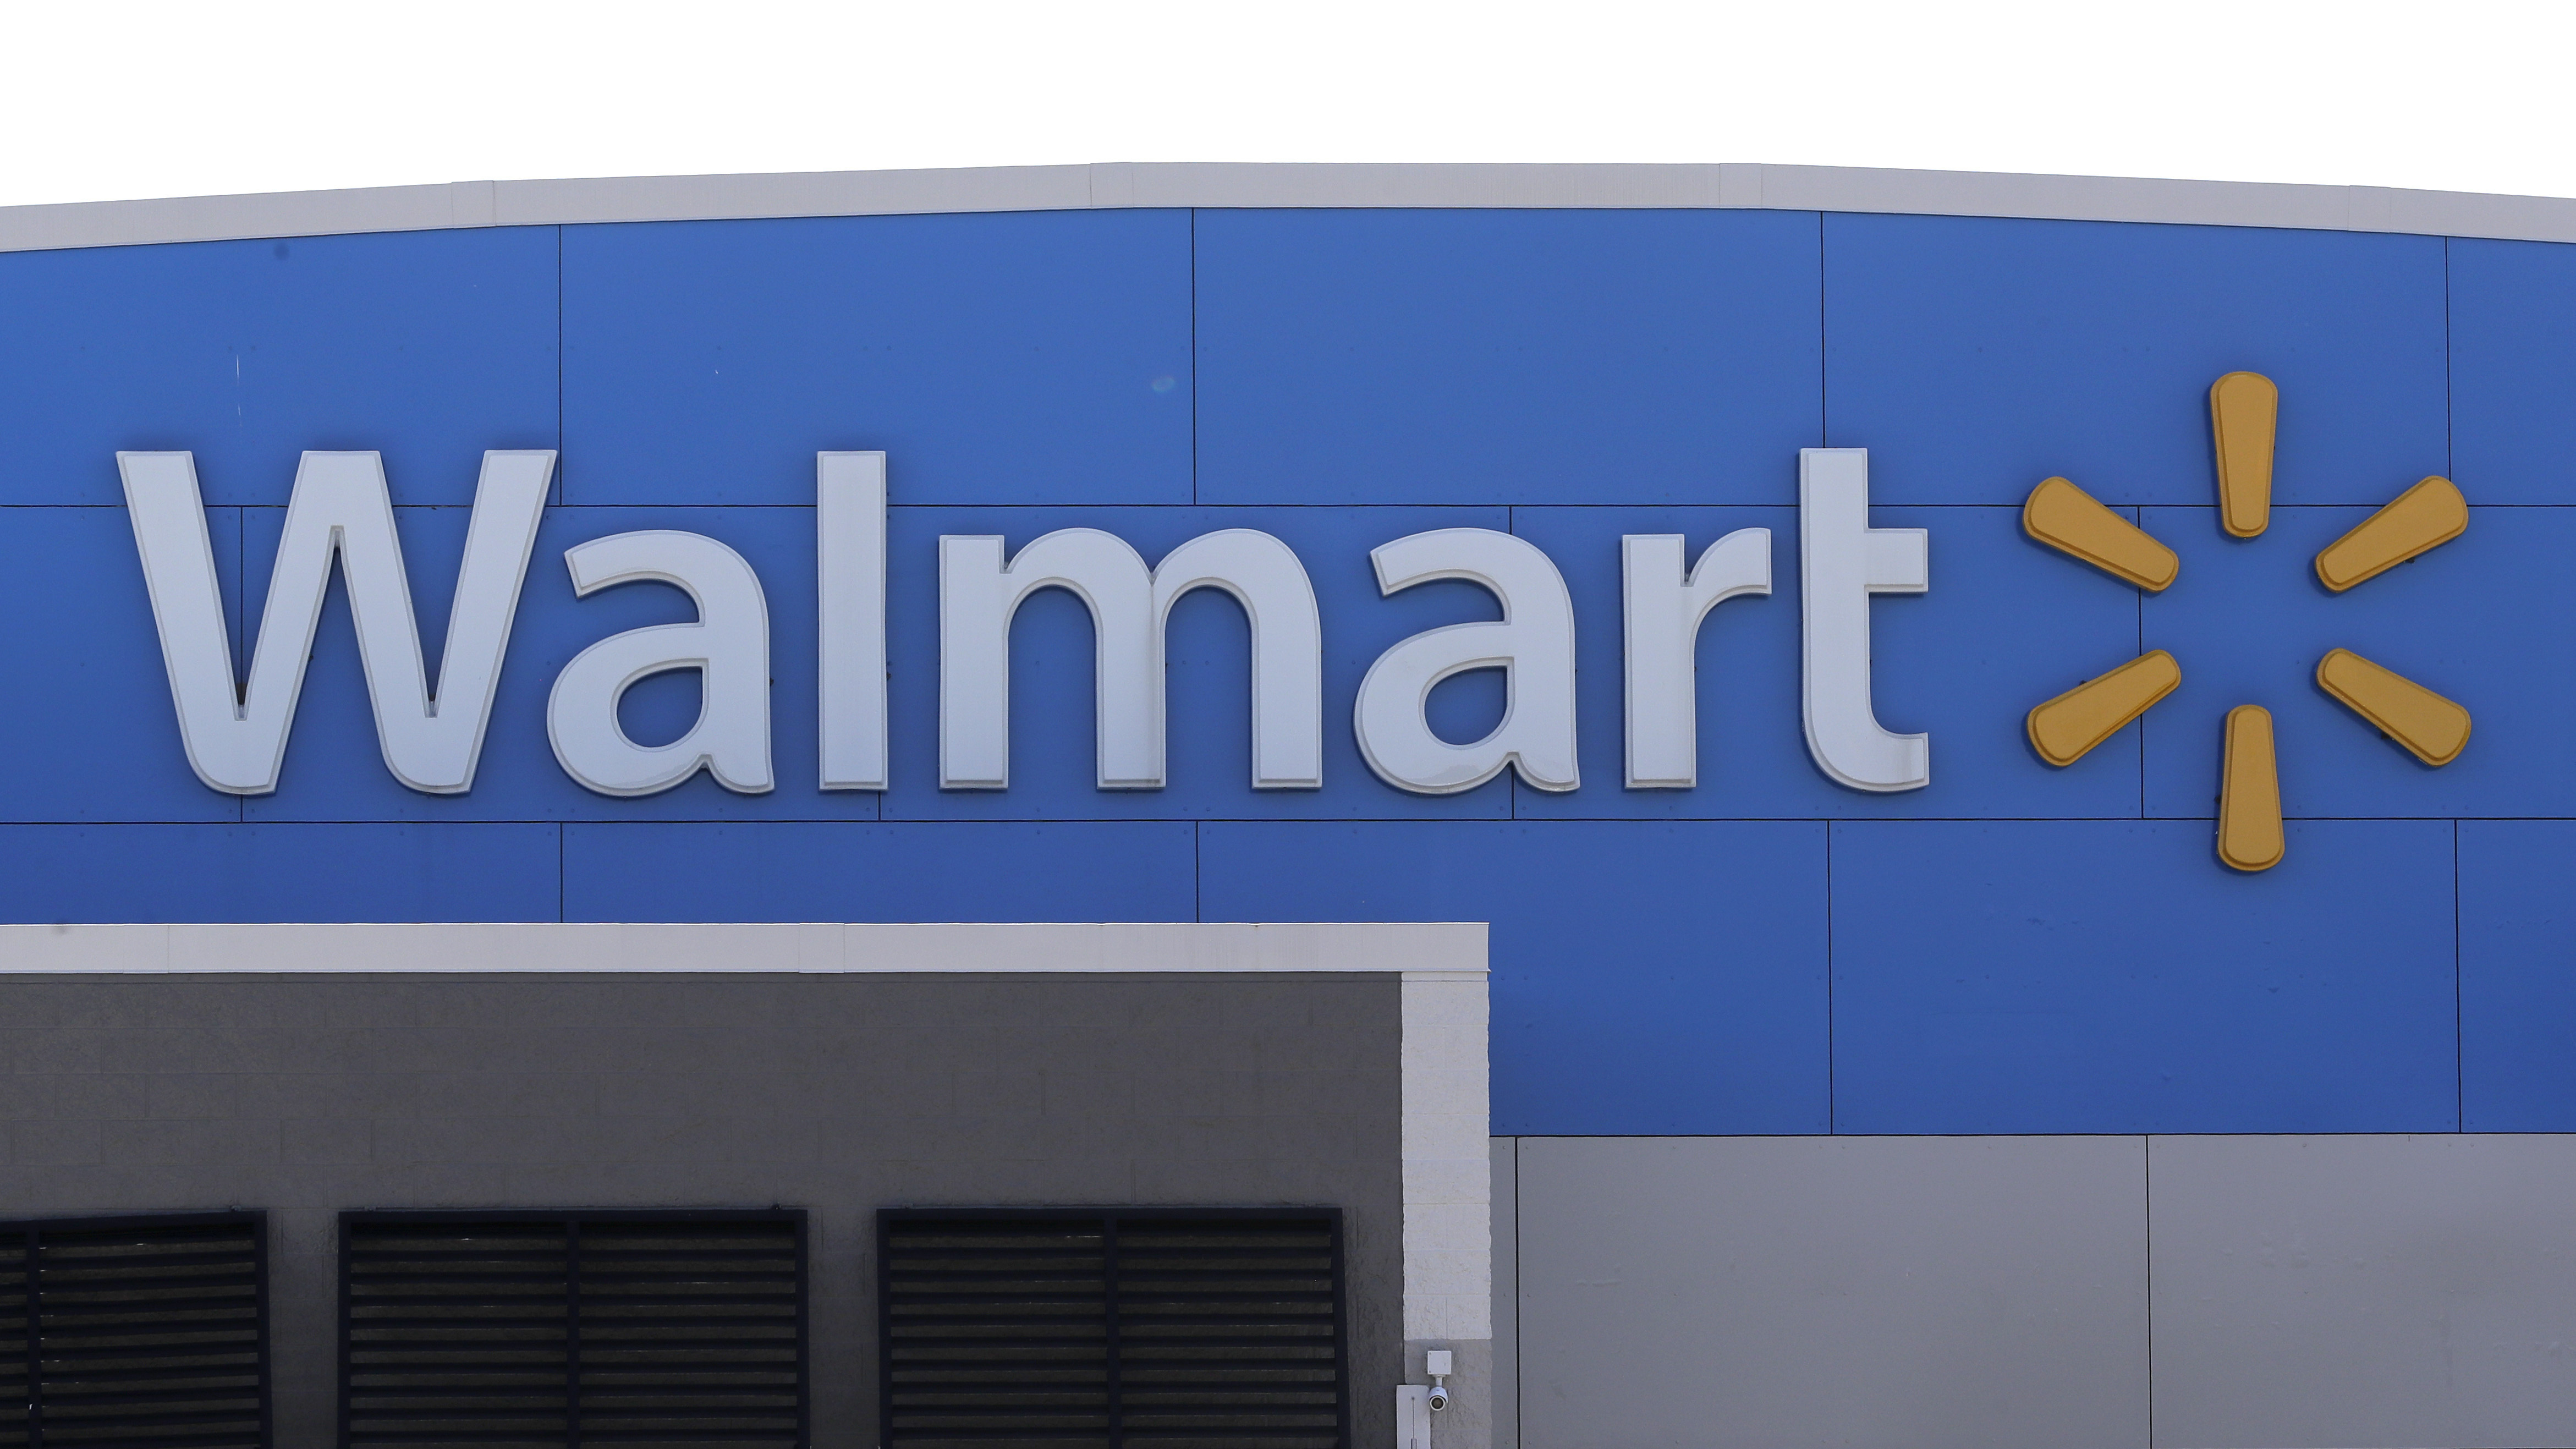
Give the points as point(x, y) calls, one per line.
point(236, 732)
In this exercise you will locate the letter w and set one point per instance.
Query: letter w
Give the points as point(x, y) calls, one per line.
point(236, 738)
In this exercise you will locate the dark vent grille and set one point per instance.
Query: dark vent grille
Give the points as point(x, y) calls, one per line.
point(545, 1330)
point(1160, 1329)
point(142, 1333)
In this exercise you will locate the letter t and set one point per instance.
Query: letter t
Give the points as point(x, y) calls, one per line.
point(1842, 561)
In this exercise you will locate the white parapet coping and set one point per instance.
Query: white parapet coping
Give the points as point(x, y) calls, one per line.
point(1441, 949)
point(1259, 184)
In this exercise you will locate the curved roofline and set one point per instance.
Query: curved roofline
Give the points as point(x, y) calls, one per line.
point(1267, 184)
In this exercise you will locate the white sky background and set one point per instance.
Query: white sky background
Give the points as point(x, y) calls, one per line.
point(114, 98)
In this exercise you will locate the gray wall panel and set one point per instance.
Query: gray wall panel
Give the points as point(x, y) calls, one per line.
point(2365, 1290)
point(1914, 1292)
point(836, 1093)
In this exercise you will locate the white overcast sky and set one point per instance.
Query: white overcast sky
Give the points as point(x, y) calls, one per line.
point(110, 98)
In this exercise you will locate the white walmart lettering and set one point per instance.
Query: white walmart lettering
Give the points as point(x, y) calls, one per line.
point(850, 548)
point(235, 735)
point(728, 646)
point(1841, 562)
point(1662, 609)
point(1533, 645)
point(1130, 610)
point(236, 738)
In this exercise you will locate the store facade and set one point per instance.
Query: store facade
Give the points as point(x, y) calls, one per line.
point(1769, 805)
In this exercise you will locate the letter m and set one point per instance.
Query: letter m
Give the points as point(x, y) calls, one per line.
point(235, 735)
point(1130, 606)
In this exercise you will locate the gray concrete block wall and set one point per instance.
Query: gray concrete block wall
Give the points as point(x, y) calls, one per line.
point(839, 1094)
point(2271, 1292)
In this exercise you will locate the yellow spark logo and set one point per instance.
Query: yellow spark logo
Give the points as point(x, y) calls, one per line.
point(2244, 408)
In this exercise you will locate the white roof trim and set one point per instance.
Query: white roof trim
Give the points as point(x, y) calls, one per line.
point(1177, 184)
point(1444, 951)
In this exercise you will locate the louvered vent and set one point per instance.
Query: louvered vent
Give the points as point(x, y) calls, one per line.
point(142, 1333)
point(543, 1330)
point(1164, 1328)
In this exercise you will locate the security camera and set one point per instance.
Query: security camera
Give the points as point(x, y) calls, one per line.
point(1439, 1397)
point(1436, 1364)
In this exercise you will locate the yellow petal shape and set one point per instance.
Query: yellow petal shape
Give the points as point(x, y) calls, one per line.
point(2244, 411)
point(2249, 797)
point(2067, 728)
point(2070, 520)
point(2426, 516)
point(2432, 728)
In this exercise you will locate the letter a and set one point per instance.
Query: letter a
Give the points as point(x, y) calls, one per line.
point(1533, 644)
point(728, 646)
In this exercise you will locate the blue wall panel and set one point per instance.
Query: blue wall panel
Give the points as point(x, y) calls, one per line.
point(428, 347)
point(157, 873)
point(1648, 977)
point(1976, 357)
point(2513, 371)
point(914, 872)
point(2107, 976)
point(91, 722)
point(2517, 976)
point(1480, 357)
point(1038, 357)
